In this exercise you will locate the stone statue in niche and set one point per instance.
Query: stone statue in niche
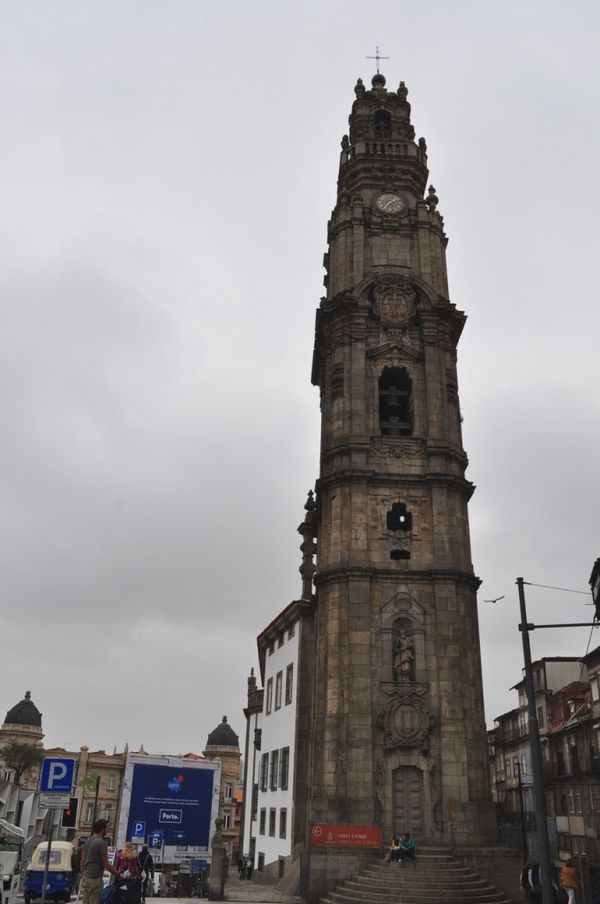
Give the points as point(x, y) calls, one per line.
point(404, 658)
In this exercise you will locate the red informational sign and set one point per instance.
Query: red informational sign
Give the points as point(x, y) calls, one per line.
point(346, 836)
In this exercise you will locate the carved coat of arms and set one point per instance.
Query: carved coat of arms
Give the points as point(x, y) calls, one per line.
point(395, 302)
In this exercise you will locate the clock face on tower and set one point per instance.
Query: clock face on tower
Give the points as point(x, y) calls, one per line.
point(389, 202)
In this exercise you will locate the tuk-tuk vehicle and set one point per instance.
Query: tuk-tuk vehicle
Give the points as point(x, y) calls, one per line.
point(59, 884)
point(11, 851)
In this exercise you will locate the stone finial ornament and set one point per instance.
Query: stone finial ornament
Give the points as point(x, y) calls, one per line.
point(432, 199)
point(345, 142)
point(359, 88)
point(308, 546)
point(310, 504)
point(402, 91)
point(423, 145)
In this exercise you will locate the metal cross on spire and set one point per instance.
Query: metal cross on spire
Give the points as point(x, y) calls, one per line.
point(377, 57)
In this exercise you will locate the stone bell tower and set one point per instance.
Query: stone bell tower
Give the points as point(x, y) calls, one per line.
point(398, 735)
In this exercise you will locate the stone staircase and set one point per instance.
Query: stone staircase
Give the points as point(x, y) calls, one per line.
point(438, 877)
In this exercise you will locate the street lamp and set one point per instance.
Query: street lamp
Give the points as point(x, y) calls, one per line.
point(595, 585)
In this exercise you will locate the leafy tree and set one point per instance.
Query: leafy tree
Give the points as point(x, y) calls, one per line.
point(21, 758)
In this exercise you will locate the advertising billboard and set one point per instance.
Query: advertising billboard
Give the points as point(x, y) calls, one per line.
point(171, 804)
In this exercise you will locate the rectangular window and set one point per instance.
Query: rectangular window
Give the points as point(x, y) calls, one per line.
point(271, 649)
point(269, 700)
point(261, 862)
point(262, 821)
point(226, 819)
point(274, 769)
point(280, 640)
point(282, 822)
point(594, 687)
point(111, 783)
point(523, 729)
point(254, 801)
point(284, 768)
point(508, 767)
point(291, 631)
point(524, 764)
point(272, 821)
point(540, 715)
point(227, 792)
point(108, 812)
point(264, 771)
point(289, 683)
point(278, 687)
point(89, 812)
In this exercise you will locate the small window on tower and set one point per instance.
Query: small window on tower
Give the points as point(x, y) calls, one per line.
point(395, 415)
point(383, 124)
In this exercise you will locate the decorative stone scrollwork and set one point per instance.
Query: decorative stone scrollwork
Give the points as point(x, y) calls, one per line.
point(409, 448)
point(405, 721)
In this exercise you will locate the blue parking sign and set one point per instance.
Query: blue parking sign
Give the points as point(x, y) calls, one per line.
point(155, 839)
point(57, 775)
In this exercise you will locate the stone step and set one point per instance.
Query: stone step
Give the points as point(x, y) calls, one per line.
point(487, 892)
point(435, 878)
point(420, 869)
point(452, 868)
point(405, 879)
point(337, 897)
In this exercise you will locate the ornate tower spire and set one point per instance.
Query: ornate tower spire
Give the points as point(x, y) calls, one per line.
point(398, 733)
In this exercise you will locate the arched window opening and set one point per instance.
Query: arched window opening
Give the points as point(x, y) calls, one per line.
point(383, 124)
point(398, 518)
point(395, 416)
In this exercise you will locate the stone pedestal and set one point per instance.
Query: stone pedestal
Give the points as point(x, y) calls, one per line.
point(219, 865)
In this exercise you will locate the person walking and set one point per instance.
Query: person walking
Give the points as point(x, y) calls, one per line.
point(530, 881)
point(94, 861)
point(249, 867)
point(127, 864)
point(146, 862)
point(569, 881)
point(75, 870)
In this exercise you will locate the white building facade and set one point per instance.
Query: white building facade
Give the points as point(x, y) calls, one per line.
point(271, 753)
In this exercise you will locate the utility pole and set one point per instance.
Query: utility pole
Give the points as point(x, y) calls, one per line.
point(539, 796)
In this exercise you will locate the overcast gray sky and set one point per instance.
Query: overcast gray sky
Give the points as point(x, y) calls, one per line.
point(167, 172)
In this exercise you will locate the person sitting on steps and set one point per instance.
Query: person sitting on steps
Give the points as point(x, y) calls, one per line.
point(408, 851)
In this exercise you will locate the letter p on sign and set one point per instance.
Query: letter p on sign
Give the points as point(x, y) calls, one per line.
point(57, 775)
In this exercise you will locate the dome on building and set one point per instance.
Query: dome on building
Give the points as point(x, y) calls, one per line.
point(24, 713)
point(223, 736)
